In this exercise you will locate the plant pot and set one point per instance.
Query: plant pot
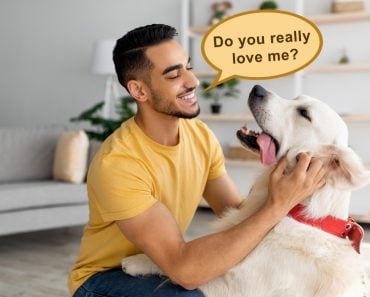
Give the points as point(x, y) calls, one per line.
point(216, 108)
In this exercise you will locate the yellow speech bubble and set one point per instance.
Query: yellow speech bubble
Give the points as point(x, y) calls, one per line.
point(261, 44)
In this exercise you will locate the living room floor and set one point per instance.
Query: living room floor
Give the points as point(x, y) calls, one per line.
point(36, 264)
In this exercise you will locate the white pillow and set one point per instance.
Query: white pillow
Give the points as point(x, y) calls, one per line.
point(70, 160)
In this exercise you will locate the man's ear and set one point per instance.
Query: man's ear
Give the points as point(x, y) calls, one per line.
point(138, 90)
point(346, 170)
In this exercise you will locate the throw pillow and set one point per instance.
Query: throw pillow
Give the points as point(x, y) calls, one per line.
point(70, 160)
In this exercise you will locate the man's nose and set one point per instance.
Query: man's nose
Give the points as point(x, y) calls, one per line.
point(191, 80)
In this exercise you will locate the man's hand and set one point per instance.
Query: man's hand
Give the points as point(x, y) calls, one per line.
point(288, 189)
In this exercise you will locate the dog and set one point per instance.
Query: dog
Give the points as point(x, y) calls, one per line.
point(302, 255)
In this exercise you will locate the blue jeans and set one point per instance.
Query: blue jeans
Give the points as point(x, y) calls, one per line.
point(116, 283)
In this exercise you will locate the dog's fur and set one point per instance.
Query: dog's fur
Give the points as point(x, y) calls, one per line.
point(294, 259)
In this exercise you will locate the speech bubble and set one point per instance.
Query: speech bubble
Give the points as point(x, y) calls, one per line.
point(261, 44)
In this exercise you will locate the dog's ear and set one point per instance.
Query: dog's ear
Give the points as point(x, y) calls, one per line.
point(346, 170)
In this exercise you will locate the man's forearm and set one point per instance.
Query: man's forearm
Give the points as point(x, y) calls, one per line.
point(207, 257)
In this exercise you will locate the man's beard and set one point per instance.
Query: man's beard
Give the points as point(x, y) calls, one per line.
point(167, 108)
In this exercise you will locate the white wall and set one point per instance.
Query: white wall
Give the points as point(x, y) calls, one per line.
point(46, 47)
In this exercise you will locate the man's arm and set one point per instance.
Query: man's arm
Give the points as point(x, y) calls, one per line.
point(221, 193)
point(193, 263)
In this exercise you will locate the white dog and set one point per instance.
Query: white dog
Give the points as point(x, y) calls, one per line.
point(312, 252)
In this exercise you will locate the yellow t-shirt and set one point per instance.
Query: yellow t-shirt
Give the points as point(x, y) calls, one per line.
point(128, 175)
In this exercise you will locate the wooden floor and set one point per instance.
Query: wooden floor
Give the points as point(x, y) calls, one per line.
point(36, 264)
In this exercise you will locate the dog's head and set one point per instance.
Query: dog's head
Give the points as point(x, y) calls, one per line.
point(303, 124)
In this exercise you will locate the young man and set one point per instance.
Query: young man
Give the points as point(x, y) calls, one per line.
point(147, 179)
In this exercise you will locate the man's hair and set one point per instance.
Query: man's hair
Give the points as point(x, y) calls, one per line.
point(130, 60)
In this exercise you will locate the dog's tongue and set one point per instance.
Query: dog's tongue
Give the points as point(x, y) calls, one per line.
point(267, 149)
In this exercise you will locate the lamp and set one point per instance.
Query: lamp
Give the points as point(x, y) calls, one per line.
point(102, 64)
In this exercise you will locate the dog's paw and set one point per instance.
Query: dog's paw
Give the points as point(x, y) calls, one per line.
point(139, 265)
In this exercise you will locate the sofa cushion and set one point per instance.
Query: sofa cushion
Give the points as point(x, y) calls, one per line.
point(25, 195)
point(71, 154)
point(27, 153)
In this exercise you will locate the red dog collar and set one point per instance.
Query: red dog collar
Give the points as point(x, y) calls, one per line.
point(332, 225)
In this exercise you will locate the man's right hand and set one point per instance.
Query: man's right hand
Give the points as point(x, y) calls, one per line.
point(289, 189)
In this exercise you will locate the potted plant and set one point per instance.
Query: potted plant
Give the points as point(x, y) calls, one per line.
point(105, 127)
point(269, 5)
point(344, 59)
point(222, 91)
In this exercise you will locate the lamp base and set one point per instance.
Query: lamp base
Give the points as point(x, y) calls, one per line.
point(110, 94)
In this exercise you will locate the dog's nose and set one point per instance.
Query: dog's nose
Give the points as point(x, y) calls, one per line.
point(258, 91)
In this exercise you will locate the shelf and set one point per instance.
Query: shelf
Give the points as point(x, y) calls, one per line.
point(352, 118)
point(198, 30)
point(333, 18)
point(329, 68)
point(362, 218)
point(338, 68)
point(226, 117)
point(251, 163)
point(205, 74)
point(242, 163)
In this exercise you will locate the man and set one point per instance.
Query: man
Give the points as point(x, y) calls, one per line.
point(146, 181)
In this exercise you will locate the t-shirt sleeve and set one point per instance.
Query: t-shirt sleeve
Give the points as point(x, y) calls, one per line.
point(217, 167)
point(121, 188)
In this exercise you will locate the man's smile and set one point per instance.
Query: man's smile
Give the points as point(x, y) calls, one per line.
point(189, 98)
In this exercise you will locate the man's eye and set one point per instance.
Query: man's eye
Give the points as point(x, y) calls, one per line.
point(178, 73)
point(173, 74)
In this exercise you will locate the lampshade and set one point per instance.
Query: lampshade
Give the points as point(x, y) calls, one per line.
point(102, 62)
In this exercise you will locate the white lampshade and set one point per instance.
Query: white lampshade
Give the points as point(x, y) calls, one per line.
point(102, 62)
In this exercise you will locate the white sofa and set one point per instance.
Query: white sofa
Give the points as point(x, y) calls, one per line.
point(30, 199)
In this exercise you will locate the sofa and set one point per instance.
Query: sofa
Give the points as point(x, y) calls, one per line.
point(32, 195)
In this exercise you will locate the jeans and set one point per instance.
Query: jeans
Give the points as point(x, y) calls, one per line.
point(116, 283)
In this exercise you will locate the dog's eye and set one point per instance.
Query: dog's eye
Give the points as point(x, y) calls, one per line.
point(304, 113)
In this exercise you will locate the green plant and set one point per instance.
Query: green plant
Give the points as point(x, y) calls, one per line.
point(268, 5)
point(224, 90)
point(344, 59)
point(104, 126)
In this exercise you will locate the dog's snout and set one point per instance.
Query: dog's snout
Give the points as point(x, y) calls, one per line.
point(258, 91)
point(257, 99)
